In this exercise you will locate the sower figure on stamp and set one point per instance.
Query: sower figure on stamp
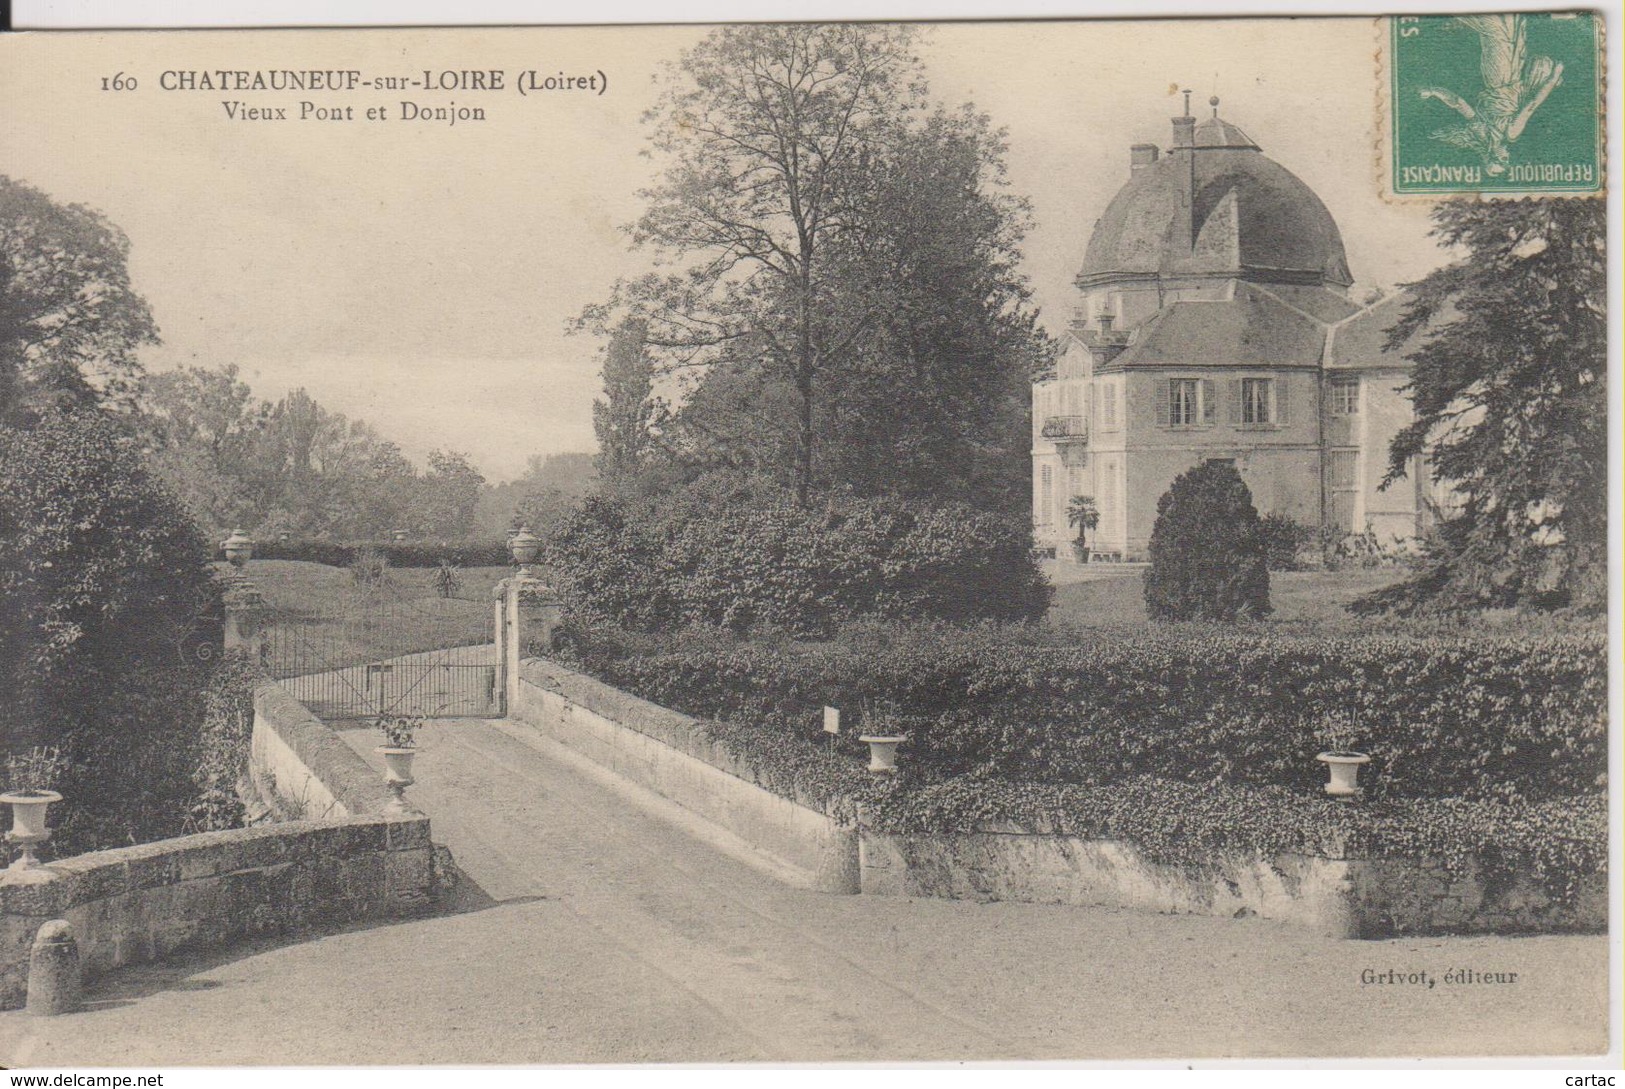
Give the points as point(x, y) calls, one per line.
point(1514, 88)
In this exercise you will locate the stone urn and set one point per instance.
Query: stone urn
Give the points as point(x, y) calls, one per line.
point(397, 771)
point(239, 548)
point(882, 752)
point(525, 547)
point(28, 829)
point(1345, 772)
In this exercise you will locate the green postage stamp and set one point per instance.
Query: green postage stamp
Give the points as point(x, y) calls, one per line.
point(1499, 105)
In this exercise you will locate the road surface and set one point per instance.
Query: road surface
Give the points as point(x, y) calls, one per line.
point(591, 930)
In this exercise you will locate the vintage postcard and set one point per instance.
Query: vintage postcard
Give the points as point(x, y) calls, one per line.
point(817, 542)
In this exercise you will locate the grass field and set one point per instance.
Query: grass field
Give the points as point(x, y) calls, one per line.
point(323, 620)
point(1316, 599)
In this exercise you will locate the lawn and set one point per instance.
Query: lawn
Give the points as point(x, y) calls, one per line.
point(1315, 599)
point(322, 619)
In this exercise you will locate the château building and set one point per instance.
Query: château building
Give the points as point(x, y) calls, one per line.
point(1216, 323)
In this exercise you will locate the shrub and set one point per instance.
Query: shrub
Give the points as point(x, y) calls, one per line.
point(1207, 551)
point(706, 558)
point(370, 568)
point(447, 579)
point(1339, 549)
point(1284, 541)
point(106, 586)
point(1464, 715)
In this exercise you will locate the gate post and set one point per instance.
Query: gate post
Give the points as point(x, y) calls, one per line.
point(530, 615)
point(245, 606)
point(245, 616)
point(502, 638)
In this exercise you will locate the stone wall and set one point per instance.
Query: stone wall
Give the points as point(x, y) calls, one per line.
point(668, 753)
point(354, 862)
point(1342, 897)
point(303, 768)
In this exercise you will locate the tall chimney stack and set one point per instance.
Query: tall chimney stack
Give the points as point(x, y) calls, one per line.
point(1142, 155)
point(1185, 127)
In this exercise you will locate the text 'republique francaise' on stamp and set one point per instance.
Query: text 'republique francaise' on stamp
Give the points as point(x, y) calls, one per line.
point(1500, 105)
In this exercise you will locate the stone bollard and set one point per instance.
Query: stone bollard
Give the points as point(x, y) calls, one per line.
point(53, 971)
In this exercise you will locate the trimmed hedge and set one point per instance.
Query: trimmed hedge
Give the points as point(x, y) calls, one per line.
point(398, 553)
point(1463, 716)
point(1560, 842)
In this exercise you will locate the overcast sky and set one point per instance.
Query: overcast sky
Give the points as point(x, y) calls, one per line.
point(421, 275)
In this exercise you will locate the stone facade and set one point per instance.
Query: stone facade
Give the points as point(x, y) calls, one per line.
point(1215, 323)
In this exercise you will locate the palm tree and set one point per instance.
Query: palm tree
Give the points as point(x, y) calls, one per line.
point(1084, 516)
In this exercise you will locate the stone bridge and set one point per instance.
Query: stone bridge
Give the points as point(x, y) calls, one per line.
point(593, 919)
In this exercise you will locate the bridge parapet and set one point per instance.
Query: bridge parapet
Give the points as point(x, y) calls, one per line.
point(351, 863)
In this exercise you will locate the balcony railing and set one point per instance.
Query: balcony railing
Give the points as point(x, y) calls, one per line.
point(1065, 427)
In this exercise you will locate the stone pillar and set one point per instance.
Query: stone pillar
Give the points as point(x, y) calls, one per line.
point(499, 636)
point(246, 613)
point(53, 971)
point(541, 612)
point(531, 614)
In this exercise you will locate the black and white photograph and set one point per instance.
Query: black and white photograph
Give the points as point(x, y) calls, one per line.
point(1068, 541)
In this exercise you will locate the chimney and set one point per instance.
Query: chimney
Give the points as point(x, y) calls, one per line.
point(1142, 155)
point(1106, 324)
point(1185, 127)
point(1079, 320)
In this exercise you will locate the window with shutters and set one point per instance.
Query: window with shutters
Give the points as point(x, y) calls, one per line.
point(1190, 402)
point(1257, 401)
point(1343, 489)
point(1046, 496)
point(1108, 406)
point(1344, 395)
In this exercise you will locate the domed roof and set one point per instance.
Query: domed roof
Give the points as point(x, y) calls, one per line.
point(1248, 216)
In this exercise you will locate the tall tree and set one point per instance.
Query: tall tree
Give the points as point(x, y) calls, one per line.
point(761, 127)
point(1510, 385)
point(847, 314)
point(450, 494)
point(70, 322)
point(621, 420)
point(939, 377)
point(294, 466)
point(551, 485)
point(205, 425)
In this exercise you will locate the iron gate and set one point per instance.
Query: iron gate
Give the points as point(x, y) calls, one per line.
point(385, 646)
